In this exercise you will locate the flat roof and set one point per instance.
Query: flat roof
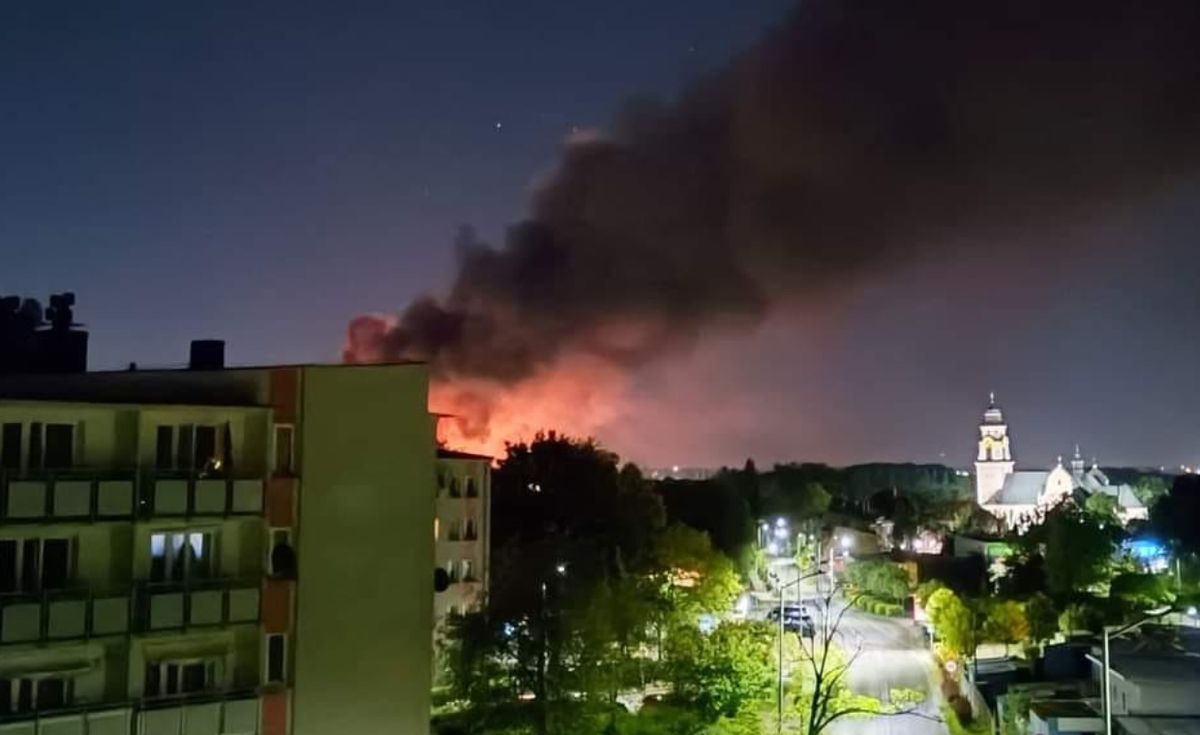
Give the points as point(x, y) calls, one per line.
point(1159, 725)
point(443, 453)
point(1178, 668)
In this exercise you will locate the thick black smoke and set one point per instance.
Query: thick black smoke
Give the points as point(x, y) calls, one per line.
point(858, 135)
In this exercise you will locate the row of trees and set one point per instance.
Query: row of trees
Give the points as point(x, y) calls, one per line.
point(596, 594)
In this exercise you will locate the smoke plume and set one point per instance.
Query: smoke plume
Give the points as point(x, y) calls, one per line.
point(858, 136)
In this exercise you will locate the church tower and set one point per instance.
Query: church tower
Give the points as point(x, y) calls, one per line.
point(994, 461)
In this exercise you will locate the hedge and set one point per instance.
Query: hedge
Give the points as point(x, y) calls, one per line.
point(876, 606)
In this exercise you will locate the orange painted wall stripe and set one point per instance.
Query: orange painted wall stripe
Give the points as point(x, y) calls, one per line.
point(285, 394)
point(277, 605)
point(281, 493)
point(274, 713)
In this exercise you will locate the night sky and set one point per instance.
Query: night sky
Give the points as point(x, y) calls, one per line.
point(265, 174)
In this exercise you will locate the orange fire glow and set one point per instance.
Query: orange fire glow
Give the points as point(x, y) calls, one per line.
point(576, 397)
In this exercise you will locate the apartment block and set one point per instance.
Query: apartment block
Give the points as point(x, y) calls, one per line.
point(461, 530)
point(216, 551)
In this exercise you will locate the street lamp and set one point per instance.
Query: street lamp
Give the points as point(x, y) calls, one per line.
point(782, 590)
point(1111, 631)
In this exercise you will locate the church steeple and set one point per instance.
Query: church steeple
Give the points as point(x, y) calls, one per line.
point(993, 461)
point(1077, 465)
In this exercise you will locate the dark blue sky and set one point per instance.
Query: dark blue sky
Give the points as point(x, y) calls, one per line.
point(265, 173)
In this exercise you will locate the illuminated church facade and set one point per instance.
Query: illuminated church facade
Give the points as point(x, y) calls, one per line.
point(1017, 496)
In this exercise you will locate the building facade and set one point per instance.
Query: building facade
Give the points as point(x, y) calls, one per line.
point(1017, 496)
point(216, 552)
point(462, 531)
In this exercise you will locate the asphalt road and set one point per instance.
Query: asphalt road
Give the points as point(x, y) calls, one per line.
point(891, 656)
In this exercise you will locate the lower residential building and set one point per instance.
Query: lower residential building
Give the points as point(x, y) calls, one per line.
point(216, 552)
point(462, 531)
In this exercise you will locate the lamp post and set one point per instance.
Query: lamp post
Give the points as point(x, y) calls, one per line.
point(561, 570)
point(782, 590)
point(1111, 631)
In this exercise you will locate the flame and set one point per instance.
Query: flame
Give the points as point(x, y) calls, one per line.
point(576, 396)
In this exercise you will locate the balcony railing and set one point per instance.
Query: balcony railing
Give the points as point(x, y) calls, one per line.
point(61, 615)
point(185, 494)
point(233, 713)
point(200, 603)
point(69, 495)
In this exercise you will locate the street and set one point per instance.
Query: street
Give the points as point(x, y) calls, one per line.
point(892, 657)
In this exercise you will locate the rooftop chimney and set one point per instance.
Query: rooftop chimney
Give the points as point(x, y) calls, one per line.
point(207, 354)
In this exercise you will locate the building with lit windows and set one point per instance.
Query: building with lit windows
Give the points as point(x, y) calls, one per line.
point(216, 551)
point(461, 531)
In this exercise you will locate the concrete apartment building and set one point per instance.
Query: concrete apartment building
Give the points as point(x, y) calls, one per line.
point(216, 551)
point(462, 530)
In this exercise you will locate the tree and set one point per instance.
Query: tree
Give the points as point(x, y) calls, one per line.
point(471, 658)
point(1140, 591)
point(953, 622)
point(697, 578)
point(724, 671)
point(1077, 549)
point(1150, 489)
point(1103, 507)
point(822, 696)
point(1174, 515)
point(1081, 616)
point(813, 501)
point(1042, 617)
point(1006, 623)
point(881, 579)
point(926, 589)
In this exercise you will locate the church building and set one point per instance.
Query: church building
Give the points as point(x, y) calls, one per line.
point(1016, 496)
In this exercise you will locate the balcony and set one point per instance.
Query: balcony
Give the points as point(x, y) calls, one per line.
point(100, 719)
point(178, 494)
point(234, 713)
point(196, 604)
point(61, 615)
point(214, 714)
point(66, 495)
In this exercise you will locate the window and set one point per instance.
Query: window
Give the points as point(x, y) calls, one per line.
point(180, 677)
point(33, 693)
point(283, 556)
point(453, 532)
point(32, 565)
point(182, 555)
point(285, 439)
point(452, 571)
point(470, 533)
point(206, 455)
point(472, 490)
point(276, 658)
point(468, 574)
point(454, 491)
point(56, 563)
point(9, 576)
point(60, 446)
point(10, 451)
point(190, 447)
point(441, 483)
point(163, 444)
point(183, 448)
point(35, 445)
point(437, 529)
